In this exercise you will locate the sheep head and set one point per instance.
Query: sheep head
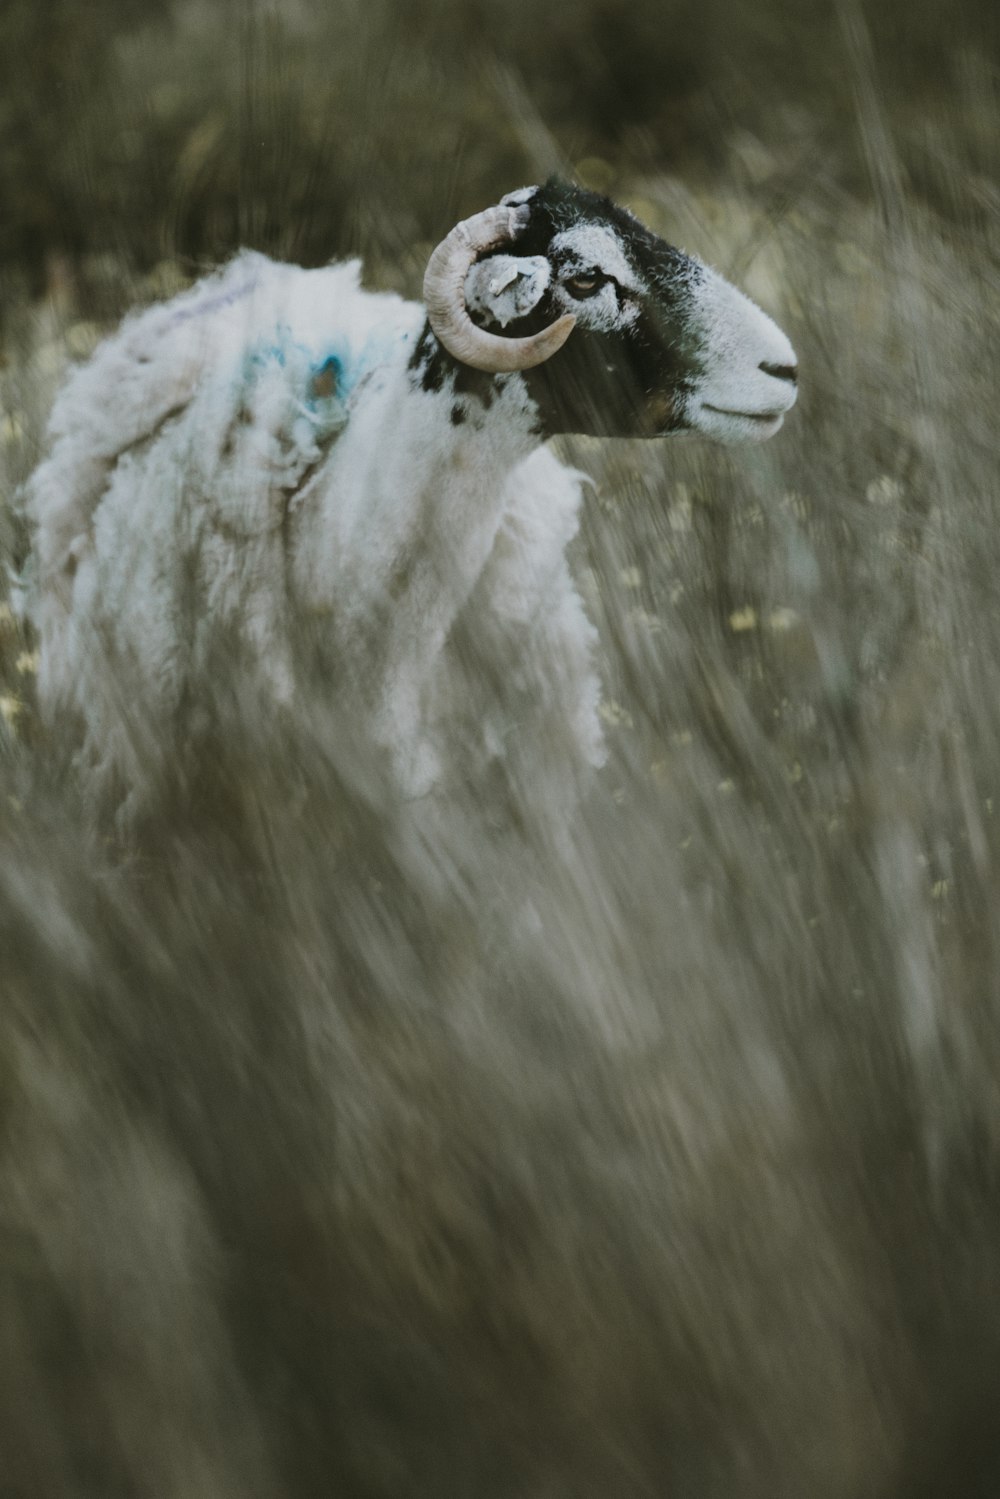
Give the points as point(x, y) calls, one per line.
point(617, 333)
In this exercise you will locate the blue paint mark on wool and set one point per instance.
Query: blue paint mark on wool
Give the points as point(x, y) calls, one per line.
point(326, 380)
point(319, 383)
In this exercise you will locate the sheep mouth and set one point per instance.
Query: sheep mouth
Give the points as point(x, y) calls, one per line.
point(728, 425)
point(764, 417)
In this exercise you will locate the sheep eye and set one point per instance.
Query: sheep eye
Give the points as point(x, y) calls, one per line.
point(585, 285)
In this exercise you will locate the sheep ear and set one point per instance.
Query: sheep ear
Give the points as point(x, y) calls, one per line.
point(502, 288)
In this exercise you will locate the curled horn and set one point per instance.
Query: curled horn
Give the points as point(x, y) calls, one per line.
point(444, 294)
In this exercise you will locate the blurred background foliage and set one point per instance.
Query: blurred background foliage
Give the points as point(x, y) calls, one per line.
point(153, 129)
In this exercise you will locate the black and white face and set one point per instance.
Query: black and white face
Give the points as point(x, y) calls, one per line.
point(662, 344)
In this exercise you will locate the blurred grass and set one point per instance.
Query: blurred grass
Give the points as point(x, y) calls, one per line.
point(164, 130)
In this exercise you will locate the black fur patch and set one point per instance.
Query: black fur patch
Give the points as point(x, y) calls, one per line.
point(431, 366)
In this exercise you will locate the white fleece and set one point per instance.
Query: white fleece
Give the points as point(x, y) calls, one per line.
point(252, 462)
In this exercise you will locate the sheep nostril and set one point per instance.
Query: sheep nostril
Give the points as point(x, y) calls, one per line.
point(781, 371)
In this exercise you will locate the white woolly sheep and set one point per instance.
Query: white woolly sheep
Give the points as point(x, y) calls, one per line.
point(277, 446)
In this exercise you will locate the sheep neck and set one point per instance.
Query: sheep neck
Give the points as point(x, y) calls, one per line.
point(405, 520)
point(436, 372)
point(463, 434)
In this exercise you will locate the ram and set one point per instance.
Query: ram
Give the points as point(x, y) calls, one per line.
point(322, 479)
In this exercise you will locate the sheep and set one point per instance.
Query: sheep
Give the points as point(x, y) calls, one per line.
point(325, 478)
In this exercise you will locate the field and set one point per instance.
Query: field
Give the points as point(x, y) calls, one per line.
point(320, 1173)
